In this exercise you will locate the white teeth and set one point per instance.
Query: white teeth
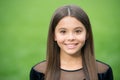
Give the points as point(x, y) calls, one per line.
point(71, 46)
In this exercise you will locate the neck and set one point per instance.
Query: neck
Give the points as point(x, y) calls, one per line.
point(71, 62)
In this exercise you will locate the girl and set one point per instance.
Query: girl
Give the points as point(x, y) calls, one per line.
point(70, 49)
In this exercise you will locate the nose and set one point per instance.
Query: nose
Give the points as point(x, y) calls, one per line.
point(71, 37)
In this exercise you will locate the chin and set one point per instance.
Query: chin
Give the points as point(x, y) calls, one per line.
point(73, 53)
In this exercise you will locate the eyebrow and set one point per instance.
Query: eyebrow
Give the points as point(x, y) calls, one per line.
point(79, 27)
point(63, 28)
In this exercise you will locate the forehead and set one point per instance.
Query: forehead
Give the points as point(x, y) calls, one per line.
point(68, 22)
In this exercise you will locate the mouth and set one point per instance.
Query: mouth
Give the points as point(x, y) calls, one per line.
point(71, 45)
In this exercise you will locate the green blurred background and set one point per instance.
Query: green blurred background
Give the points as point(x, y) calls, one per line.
point(24, 27)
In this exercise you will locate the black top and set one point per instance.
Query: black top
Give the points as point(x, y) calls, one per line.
point(104, 72)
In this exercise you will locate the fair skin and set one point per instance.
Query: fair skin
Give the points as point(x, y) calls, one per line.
point(70, 35)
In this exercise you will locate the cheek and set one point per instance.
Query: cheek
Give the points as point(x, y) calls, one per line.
point(59, 38)
point(82, 38)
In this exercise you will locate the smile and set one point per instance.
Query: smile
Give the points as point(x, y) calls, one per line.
point(71, 46)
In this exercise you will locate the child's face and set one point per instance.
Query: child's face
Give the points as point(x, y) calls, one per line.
point(70, 35)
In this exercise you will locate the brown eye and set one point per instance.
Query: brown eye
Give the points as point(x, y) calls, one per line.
point(63, 31)
point(78, 31)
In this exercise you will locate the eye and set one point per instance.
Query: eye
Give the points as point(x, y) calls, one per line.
point(78, 31)
point(63, 31)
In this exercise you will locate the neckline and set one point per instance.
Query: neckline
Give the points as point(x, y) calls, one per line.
point(71, 70)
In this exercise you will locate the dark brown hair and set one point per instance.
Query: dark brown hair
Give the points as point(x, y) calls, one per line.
point(53, 50)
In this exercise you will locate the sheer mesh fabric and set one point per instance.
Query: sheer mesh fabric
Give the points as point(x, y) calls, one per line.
point(72, 74)
point(41, 67)
point(102, 67)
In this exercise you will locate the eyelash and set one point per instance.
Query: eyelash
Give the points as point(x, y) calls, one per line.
point(78, 31)
point(62, 32)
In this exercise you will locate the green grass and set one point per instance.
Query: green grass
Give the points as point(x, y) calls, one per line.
point(24, 27)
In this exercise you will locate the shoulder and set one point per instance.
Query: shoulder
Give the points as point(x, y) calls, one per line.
point(104, 71)
point(40, 67)
point(37, 72)
point(102, 67)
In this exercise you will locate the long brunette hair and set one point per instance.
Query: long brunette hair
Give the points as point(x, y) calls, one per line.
point(53, 50)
